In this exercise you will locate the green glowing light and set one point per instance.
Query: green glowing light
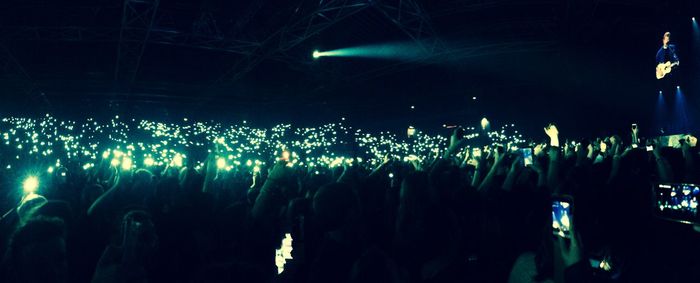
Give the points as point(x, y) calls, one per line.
point(149, 161)
point(126, 163)
point(30, 184)
point(177, 160)
point(484, 123)
point(316, 54)
point(221, 163)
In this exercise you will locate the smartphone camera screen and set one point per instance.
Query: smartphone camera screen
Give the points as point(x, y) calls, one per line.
point(601, 264)
point(527, 156)
point(677, 202)
point(561, 218)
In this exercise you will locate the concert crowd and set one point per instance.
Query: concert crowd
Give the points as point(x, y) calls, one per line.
point(141, 201)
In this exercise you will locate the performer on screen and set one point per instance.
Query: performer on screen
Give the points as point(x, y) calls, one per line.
point(666, 57)
point(671, 115)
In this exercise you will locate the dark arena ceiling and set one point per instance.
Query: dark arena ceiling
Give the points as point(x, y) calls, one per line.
point(550, 59)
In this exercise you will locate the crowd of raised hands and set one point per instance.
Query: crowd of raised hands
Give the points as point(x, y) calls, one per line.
point(464, 214)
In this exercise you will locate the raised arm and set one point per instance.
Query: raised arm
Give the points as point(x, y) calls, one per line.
point(662, 166)
point(554, 156)
point(515, 169)
point(689, 159)
point(488, 180)
point(265, 203)
point(106, 201)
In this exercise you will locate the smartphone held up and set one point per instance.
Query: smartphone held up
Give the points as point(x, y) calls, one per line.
point(561, 218)
point(677, 202)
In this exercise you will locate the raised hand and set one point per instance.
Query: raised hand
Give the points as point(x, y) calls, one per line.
point(538, 150)
point(691, 140)
point(517, 164)
point(279, 171)
point(386, 159)
point(457, 141)
point(553, 134)
point(635, 133)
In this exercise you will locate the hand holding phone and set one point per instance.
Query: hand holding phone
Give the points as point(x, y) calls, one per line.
point(526, 154)
point(677, 202)
point(562, 224)
point(561, 217)
point(476, 152)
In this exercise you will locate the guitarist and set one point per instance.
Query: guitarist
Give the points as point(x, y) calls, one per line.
point(667, 53)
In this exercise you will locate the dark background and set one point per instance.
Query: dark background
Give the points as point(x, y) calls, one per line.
point(586, 65)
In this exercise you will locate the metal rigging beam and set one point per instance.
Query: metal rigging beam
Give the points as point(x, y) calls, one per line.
point(410, 18)
point(137, 22)
point(12, 70)
point(321, 17)
point(158, 35)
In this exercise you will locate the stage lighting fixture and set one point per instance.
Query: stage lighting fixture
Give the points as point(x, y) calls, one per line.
point(316, 54)
point(678, 87)
point(693, 18)
point(473, 97)
point(30, 184)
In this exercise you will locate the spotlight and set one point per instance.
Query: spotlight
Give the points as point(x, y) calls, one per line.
point(693, 18)
point(473, 97)
point(678, 87)
point(316, 54)
point(413, 107)
point(30, 184)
